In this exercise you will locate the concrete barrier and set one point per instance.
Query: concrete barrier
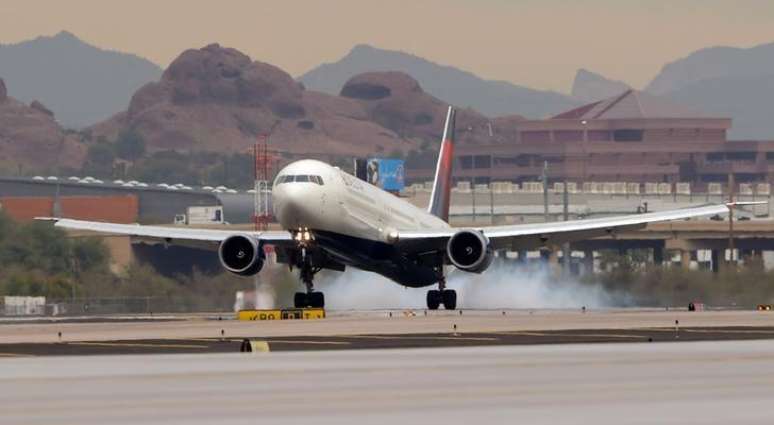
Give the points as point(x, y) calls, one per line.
point(532, 187)
point(715, 188)
point(502, 187)
point(683, 188)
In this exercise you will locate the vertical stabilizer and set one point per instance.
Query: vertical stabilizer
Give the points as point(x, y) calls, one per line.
point(440, 197)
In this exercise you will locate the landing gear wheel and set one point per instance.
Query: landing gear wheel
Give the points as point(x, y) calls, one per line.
point(433, 299)
point(449, 299)
point(301, 300)
point(316, 300)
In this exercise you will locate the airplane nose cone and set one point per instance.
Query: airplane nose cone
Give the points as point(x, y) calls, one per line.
point(295, 205)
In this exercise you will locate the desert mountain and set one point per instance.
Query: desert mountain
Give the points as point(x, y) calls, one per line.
point(82, 84)
point(218, 99)
point(714, 63)
point(749, 101)
point(31, 140)
point(727, 81)
point(590, 87)
point(491, 98)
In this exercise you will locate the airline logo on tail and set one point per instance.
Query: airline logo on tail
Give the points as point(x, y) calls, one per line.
point(440, 197)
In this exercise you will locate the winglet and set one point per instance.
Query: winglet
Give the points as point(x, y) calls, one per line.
point(441, 195)
point(54, 219)
point(744, 203)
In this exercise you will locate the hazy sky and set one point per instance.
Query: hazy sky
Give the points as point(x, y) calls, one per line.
point(538, 43)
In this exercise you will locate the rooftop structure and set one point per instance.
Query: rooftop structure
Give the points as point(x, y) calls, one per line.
point(633, 137)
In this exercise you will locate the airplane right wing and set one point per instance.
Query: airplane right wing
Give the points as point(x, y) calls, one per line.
point(535, 235)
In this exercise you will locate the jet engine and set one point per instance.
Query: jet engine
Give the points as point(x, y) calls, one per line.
point(242, 255)
point(469, 250)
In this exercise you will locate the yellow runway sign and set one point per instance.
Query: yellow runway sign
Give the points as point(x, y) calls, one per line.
point(282, 314)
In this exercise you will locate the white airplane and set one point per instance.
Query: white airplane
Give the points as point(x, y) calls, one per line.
point(334, 220)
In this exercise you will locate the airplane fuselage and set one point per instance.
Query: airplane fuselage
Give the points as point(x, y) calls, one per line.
point(355, 222)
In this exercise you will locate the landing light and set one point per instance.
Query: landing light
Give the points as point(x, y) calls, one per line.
point(302, 235)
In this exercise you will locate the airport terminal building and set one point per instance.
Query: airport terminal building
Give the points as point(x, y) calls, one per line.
point(633, 137)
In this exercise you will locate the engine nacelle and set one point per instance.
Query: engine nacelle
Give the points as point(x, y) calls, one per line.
point(469, 250)
point(242, 255)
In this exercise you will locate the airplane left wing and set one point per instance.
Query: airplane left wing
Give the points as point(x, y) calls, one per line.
point(171, 235)
point(535, 235)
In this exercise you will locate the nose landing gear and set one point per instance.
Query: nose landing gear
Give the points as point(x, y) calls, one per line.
point(310, 298)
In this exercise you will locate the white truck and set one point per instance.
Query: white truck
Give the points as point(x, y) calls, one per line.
point(201, 215)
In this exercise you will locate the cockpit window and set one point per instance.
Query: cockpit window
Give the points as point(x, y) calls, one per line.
point(301, 178)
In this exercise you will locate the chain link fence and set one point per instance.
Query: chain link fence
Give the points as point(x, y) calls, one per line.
point(112, 306)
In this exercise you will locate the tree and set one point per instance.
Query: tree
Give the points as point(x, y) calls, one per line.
point(130, 145)
point(99, 160)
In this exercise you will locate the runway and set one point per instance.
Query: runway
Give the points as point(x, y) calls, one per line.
point(386, 341)
point(382, 322)
point(692, 382)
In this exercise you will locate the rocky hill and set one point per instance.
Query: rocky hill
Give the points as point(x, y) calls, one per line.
point(82, 84)
point(728, 81)
point(590, 87)
point(714, 63)
point(218, 99)
point(452, 85)
point(31, 139)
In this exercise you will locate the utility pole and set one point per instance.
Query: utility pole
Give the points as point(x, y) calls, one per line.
point(566, 254)
point(491, 191)
point(545, 191)
point(473, 185)
point(57, 205)
point(491, 202)
point(731, 247)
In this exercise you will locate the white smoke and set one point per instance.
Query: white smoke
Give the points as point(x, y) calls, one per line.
point(503, 285)
point(265, 294)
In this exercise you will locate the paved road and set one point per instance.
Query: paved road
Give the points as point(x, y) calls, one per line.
point(379, 322)
point(700, 382)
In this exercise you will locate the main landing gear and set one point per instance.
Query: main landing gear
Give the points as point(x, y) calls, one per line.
point(310, 298)
point(447, 297)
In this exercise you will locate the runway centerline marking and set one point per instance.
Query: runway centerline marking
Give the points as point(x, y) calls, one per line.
point(422, 338)
point(289, 341)
point(730, 331)
point(578, 335)
point(138, 345)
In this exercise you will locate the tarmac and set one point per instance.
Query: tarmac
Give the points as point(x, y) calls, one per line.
point(381, 322)
point(627, 366)
point(713, 382)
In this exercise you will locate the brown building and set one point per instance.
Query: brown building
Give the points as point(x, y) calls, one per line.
point(633, 137)
point(117, 209)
